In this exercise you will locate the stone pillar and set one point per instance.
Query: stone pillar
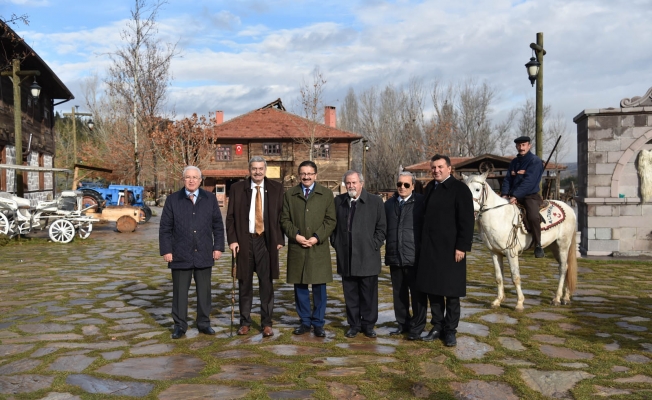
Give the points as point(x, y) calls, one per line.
point(612, 218)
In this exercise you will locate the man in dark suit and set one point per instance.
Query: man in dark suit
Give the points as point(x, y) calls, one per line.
point(404, 212)
point(254, 233)
point(191, 238)
point(357, 239)
point(447, 236)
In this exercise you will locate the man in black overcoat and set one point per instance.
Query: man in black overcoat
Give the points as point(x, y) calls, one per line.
point(253, 230)
point(357, 239)
point(447, 236)
point(191, 238)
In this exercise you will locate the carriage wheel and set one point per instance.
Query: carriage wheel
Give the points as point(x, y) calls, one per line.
point(4, 225)
point(62, 231)
point(85, 229)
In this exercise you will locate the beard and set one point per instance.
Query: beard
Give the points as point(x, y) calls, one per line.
point(352, 193)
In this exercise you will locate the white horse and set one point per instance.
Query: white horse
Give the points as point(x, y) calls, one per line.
point(501, 232)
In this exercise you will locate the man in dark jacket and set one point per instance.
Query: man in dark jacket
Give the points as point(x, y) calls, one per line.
point(447, 236)
point(521, 185)
point(357, 238)
point(253, 231)
point(191, 238)
point(404, 212)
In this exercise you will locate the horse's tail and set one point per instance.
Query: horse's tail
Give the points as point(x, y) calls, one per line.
point(571, 264)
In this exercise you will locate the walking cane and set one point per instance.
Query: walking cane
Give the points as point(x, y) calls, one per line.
point(234, 266)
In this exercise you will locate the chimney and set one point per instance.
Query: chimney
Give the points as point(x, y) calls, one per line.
point(219, 117)
point(330, 119)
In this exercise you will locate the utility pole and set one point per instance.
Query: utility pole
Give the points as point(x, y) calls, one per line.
point(15, 75)
point(73, 115)
point(540, 52)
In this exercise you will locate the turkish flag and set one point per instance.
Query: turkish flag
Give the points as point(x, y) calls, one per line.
point(238, 149)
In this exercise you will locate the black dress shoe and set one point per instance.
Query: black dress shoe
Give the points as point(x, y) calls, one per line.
point(319, 331)
point(538, 252)
point(352, 332)
point(206, 331)
point(432, 335)
point(413, 336)
point(398, 331)
point(370, 333)
point(449, 339)
point(301, 330)
point(178, 332)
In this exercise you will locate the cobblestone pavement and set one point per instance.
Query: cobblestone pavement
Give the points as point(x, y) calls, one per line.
point(91, 319)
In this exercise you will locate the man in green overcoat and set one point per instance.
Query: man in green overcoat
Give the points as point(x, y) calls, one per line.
point(308, 219)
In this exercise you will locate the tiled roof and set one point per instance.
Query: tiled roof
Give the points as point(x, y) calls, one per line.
point(225, 173)
point(272, 123)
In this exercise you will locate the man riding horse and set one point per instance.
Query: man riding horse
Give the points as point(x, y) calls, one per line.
point(521, 185)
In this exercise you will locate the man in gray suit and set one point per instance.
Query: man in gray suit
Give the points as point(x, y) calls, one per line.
point(358, 236)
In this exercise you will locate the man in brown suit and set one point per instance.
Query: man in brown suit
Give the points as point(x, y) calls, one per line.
point(254, 233)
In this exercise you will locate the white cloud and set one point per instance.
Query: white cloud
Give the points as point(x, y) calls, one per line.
point(239, 57)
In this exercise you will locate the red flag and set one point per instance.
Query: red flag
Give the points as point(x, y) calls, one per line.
point(238, 149)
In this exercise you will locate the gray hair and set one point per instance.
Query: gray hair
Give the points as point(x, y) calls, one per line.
point(257, 159)
point(408, 173)
point(351, 172)
point(191, 167)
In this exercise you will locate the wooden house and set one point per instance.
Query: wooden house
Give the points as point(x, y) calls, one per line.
point(283, 139)
point(38, 139)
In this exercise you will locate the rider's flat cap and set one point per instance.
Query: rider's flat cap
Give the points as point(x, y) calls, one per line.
point(522, 139)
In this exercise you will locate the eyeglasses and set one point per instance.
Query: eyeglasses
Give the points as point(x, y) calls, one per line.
point(192, 178)
point(404, 184)
point(307, 174)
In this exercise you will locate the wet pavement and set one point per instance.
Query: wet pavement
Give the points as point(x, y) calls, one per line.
point(91, 319)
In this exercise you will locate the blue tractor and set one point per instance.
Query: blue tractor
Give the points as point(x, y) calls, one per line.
point(114, 195)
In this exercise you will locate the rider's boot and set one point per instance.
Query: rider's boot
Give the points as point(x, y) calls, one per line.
point(538, 251)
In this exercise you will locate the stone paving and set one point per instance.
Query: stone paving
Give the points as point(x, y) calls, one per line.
point(91, 319)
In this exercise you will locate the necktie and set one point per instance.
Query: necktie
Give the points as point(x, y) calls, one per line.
point(351, 212)
point(307, 192)
point(436, 185)
point(401, 203)
point(191, 196)
point(259, 227)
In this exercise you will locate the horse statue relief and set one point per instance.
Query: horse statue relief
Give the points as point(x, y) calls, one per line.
point(503, 233)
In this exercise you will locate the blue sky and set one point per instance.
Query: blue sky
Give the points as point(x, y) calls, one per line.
point(239, 55)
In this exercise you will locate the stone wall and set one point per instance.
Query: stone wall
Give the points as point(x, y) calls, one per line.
point(612, 218)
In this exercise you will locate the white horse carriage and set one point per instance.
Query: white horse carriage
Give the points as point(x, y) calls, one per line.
point(503, 233)
point(63, 217)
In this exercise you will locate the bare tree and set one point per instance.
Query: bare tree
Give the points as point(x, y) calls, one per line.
point(441, 134)
point(526, 125)
point(555, 128)
point(311, 109)
point(140, 74)
point(349, 120)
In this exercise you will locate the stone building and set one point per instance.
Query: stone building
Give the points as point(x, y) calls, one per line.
point(37, 118)
point(613, 219)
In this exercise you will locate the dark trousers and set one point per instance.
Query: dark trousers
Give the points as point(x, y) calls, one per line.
point(445, 312)
point(314, 317)
point(180, 285)
point(532, 203)
point(404, 294)
point(258, 262)
point(361, 300)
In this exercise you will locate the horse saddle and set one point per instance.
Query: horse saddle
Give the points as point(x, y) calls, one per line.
point(550, 214)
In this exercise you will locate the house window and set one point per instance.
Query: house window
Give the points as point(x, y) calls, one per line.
point(322, 150)
point(272, 149)
point(223, 153)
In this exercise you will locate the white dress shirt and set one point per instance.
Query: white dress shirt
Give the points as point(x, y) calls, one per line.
point(252, 206)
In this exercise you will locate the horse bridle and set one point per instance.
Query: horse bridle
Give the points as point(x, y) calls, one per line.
point(483, 198)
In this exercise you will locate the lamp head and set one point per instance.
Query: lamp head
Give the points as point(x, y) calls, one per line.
point(35, 90)
point(533, 69)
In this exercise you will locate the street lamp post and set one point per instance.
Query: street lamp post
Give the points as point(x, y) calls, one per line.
point(17, 77)
point(535, 74)
point(74, 130)
point(365, 149)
